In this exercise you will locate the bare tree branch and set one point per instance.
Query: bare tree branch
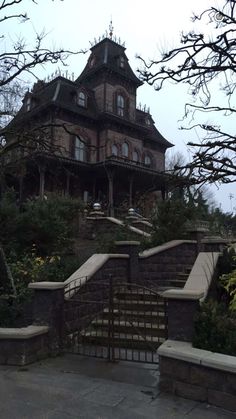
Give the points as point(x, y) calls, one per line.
point(204, 62)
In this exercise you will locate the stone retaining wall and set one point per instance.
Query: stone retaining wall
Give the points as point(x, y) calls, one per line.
point(168, 261)
point(198, 374)
point(24, 345)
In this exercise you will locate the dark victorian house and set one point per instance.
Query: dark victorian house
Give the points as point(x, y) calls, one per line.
point(98, 145)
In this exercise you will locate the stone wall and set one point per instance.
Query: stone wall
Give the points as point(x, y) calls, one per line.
point(169, 262)
point(24, 345)
point(200, 375)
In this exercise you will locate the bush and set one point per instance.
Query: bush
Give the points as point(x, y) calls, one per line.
point(33, 268)
point(215, 329)
point(49, 224)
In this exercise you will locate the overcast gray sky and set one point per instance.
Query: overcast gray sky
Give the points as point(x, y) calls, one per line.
point(145, 28)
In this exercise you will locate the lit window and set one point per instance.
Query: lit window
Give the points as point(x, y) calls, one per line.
point(114, 150)
point(80, 153)
point(82, 99)
point(120, 105)
point(125, 150)
point(147, 161)
point(135, 156)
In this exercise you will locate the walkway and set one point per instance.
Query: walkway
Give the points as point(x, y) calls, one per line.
point(72, 387)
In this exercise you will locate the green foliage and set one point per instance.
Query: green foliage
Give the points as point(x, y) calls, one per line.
point(228, 281)
point(32, 268)
point(48, 224)
point(215, 329)
point(169, 221)
point(12, 307)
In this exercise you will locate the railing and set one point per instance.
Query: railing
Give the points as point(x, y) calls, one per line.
point(125, 160)
point(73, 286)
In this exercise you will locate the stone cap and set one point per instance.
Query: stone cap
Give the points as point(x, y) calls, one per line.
point(185, 352)
point(182, 294)
point(46, 285)
point(22, 332)
point(158, 249)
point(127, 243)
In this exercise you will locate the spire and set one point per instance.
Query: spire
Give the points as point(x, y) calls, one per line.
point(111, 29)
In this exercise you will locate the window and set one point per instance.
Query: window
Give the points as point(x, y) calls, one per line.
point(82, 99)
point(114, 150)
point(122, 62)
point(125, 150)
point(147, 160)
point(28, 104)
point(80, 153)
point(135, 156)
point(120, 105)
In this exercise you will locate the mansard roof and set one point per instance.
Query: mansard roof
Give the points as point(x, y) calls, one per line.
point(107, 55)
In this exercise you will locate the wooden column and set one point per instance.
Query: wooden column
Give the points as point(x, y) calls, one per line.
point(41, 181)
point(131, 181)
point(67, 184)
point(21, 185)
point(110, 175)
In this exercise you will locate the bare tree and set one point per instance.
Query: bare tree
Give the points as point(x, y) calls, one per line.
point(207, 64)
point(17, 61)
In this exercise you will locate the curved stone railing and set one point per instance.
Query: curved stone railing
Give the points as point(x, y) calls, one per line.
point(88, 270)
point(163, 247)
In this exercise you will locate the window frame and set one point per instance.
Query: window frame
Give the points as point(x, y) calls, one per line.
point(82, 99)
point(125, 151)
point(114, 146)
point(120, 104)
point(149, 162)
point(79, 149)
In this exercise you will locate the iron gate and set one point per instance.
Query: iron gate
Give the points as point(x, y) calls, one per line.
point(116, 321)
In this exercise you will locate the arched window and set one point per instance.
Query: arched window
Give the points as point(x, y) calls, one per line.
point(147, 160)
point(125, 150)
point(120, 105)
point(135, 156)
point(114, 150)
point(80, 152)
point(82, 99)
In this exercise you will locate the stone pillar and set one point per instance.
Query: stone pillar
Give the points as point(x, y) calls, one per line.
point(130, 248)
point(182, 308)
point(48, 310)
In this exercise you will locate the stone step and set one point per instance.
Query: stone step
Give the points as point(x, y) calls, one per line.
point(126, 327)
point(121, 340)
point(149, 316)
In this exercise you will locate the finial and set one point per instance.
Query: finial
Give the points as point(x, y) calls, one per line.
point(111, 28)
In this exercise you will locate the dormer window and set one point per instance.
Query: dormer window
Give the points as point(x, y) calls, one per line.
point(28, 104)
point(82, 99)
point(120, 105)
point(122, 62)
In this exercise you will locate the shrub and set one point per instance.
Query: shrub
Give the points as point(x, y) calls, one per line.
point(215, 329)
